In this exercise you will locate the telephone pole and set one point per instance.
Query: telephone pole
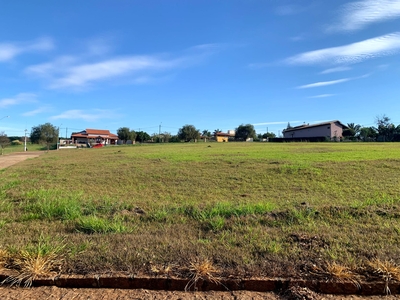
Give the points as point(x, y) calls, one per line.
point(25, 141)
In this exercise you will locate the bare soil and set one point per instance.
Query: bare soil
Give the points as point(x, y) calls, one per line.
point(14, 158)
point(108, 294)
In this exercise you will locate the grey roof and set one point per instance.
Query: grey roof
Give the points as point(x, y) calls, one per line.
point(313, 125)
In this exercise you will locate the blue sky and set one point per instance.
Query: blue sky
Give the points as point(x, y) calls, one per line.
point(213, 64)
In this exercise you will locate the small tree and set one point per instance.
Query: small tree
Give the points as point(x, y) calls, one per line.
point(188, 133)
point(269, 135)
point(123, 134)
point(45, 133)
point(142, 136)
point(243, 132)
point(4, 141)
point(385, 129)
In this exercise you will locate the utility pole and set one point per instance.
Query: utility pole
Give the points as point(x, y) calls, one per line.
point(159, 132)
point(66, 134)
point(25, 141)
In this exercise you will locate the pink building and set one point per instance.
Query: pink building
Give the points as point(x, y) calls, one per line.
point(332, 130)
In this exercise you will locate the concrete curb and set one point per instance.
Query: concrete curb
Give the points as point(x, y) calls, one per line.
point(179, 284)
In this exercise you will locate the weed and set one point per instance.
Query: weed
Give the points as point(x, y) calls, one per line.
point(202, 270)
point(94, 224)
point(386, 269)
point(38, 260)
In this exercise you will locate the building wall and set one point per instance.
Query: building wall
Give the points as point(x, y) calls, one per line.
point(328, 130)
point(222, 139)
point(336, 130)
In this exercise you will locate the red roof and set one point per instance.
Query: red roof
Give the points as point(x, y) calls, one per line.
point(94, 133)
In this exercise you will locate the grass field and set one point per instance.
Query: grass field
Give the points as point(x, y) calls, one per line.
point(20, 148)
point(248, 209)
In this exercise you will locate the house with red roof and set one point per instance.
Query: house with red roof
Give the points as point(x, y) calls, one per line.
point(94, 136)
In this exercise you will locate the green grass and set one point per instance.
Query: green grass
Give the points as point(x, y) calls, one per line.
point(20, 148)
point(251, 208)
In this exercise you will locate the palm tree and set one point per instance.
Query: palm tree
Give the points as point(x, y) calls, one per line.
point(354, 129)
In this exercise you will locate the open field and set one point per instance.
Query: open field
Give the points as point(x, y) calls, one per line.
point(20, 148)
point(241, 209)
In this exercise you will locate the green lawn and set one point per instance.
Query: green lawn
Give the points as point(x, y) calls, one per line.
point(261, 209)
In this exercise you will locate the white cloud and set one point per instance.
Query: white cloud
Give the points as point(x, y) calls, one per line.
point(17, 100)
point(322, 96)
point(85, 115)
point(352, 53)
point(358, 15)
point(35, 112)
point(71, 72)
point(332, 82)
point(323, 83)
point(334, 70)
point(8, 50)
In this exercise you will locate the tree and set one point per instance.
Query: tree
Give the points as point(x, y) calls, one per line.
point(352, 130)
point(4, 141)
point(45, 133)
point(243, 132)
point(142, 136)
point(125, 134)
point(188, 133)
point(269, 135)
point(368, 133)
point(386, 129)
point(206, 133)
point(216, 131)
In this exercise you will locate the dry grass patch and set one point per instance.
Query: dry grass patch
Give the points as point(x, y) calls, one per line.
point(202, 270)
point(387, 270)
point(4, 258)
point(41, 260)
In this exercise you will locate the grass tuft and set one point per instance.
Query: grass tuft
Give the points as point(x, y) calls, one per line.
point(387, 269)
point(202, 270)
point(33, 262)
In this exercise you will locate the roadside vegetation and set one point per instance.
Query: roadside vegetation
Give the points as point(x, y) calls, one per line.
point(329, 210)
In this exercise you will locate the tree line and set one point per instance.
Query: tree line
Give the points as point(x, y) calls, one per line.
point(384, 131)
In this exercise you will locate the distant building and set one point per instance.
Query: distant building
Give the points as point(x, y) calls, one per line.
point(332, 130)
point(94, 136)
point(224, 137)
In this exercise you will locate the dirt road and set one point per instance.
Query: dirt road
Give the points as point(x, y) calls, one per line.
point(13, 158)
point(53, 293)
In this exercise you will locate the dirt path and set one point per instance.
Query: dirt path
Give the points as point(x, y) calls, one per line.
point(53, 293)
point(14, 158)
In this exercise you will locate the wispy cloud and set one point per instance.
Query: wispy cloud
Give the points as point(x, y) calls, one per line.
point(332, 82)
point(352, 53)
point(321, 96)
point(289, 9)
point(357, 15)
point(10, 50)
point(275, 123)
point(323, 83)
point(86, 115)
point(335, 70)
point(72, 72)
point(17, 100)
point(35, 112)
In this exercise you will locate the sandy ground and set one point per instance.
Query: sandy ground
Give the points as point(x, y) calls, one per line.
point(14, 158)
point(108, 294)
